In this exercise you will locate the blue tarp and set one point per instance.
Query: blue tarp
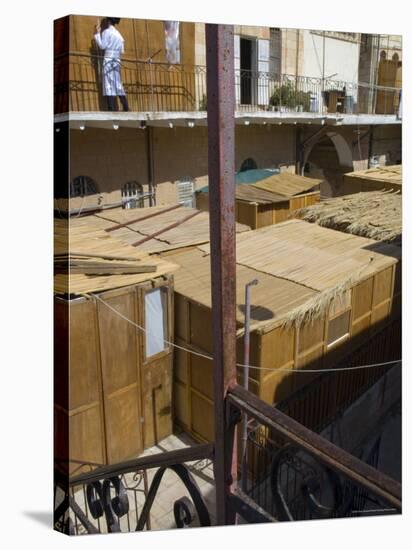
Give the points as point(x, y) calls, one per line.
point(249, 176)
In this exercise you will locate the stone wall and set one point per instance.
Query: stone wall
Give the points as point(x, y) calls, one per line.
point(114, 157)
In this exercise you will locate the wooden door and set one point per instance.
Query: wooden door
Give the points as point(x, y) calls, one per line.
point(156, 387)
point(156, 398)
point(120, 375)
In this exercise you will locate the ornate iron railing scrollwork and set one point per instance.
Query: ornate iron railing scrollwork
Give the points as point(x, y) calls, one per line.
point(100, 501)
point(108, 499)
point(182, 511)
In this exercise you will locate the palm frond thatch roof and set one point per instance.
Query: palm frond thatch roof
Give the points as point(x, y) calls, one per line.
point(375, 214)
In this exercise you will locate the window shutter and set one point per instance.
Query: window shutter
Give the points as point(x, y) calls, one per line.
point(263, 72)
point(185, 192)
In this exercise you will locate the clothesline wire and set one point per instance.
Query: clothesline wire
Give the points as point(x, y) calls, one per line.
point(210, 358)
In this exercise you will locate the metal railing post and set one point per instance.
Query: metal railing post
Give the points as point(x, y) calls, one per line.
point(246, 354)
point(221, 150)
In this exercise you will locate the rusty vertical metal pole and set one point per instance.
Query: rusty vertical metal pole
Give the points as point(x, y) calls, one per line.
point(221, 164)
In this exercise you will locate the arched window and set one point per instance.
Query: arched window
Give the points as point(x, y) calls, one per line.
point(81, 186)
point(382, 55)
point(395, 57)
point(248, 164)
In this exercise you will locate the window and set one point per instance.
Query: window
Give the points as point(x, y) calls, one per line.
point(156, 323)
point(338, 328)
point(132, 195)
point(339, 318)
point(248, 164)
point(185, 192)
point(81, 186)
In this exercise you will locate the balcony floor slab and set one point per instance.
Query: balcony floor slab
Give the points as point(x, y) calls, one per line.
point(113, 120)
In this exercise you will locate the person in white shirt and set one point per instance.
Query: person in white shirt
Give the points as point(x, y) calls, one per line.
point(109, 39)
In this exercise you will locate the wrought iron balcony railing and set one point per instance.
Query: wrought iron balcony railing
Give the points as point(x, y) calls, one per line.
point(118, 498)
point(154, 87)
point(293, 473)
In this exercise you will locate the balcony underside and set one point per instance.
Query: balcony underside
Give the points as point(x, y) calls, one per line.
point(103, 119)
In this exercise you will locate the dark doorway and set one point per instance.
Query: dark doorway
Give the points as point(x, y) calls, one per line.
point(247, 70)
point(323, 163)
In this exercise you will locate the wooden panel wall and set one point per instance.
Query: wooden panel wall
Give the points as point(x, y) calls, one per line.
point(353, 184)
point(277, 352)
point(304, 200)
point(247, 213)
point(78, 402)
point(357, 316)
point(202, 201)
point(110, 401)
point(256, 216)
point(120, 367)
point(193, 392)
point(281, 212)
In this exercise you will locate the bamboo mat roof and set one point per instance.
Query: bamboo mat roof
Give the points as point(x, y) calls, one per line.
point(287, 184)
point(374, 214)
point(272, 299)
point(251, 193)
point(191, 227)
point(318, 265)
point(385, 174)
point(86, 241)
point(308, 254)
point(273, 189)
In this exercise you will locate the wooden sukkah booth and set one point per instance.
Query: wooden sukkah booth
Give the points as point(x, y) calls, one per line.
point(374, 214)
point(113, 381)
point(321, 296)
point(113, 398)
point(384, 178)
point(270, 200)
point(158, 228)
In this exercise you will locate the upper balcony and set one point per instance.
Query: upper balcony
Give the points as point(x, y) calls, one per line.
point(159, 92)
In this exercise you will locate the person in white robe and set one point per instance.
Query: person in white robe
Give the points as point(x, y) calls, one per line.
point(112, 42)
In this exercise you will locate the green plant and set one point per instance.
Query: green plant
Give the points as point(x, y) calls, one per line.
point(286, 95)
